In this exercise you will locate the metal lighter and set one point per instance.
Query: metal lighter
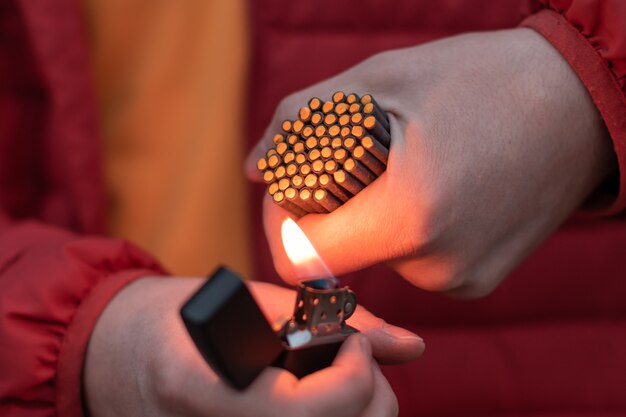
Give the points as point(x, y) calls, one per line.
point(233, 335)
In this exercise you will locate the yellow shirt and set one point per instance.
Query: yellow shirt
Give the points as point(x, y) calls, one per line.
point(170, 80)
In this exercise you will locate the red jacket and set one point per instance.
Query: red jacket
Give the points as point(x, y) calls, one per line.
point(548, 341)
point(551, 340)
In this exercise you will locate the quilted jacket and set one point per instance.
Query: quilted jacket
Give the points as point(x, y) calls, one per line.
point(549, 341)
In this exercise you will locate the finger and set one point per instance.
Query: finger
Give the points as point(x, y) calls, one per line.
point(346, 387)
point(390, 344)
point(370, 228)
point(275, 302)
point(366, 230)
point(384, 403)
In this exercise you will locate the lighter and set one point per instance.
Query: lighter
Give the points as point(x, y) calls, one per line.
point(233, 335)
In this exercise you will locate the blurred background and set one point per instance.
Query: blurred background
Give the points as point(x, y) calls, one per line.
point(170, 80)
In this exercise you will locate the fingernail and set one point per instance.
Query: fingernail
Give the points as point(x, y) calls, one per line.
point(400, 333)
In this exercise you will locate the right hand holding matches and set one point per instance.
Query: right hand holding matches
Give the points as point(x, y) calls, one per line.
point(494, 142)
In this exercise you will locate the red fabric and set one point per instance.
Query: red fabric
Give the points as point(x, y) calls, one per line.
point(53, 283)
point(549, 341)
point(591, 36)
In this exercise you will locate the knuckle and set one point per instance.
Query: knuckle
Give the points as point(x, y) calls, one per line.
point(363, 385)
point(431, 274)
point(167, 382)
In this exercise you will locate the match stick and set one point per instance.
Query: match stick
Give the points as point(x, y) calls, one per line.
point(297, 126)
point(359, 171)
point(367, 98)
point(292, 139)
point(356, 119)
point(354, 108)
point(348, 182)
point(375, 148)
point(377, 130)
point(345, 131)
point(313, 155)
point(310, 180)
point(261, 164)
point(328, 106)
point(349, 143)
point(317, 166)
point(268, 176)
point(320, 130)
point(283, 184)
point(324, 141)
point(340, 155)
point(326, 199)
point(281, 148)
point(341, 108)
point(344, 120)
point(292, 169)
point(279, 198)
point(360, 154)
point(339, 96)
point(331, 166)
point(315, 103)
point(335, 143)
point(273, 161)
point(272, 188)
point(301, 158)
point(305, 169)
point(357, 131)
point(286, 125)
point(330, 119)
point(298, 147)
point(311, 142)
point(280, 172)
point(328, 182)
point(326, 153)
point(288, 157)
point(305, 113)
point(307, 131)
point(334, 130)
point(352, 98)
point(296, 181)
point(316, 118)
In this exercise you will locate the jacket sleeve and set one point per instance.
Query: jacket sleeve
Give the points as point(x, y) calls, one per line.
point(53, 286)
point(591, 36)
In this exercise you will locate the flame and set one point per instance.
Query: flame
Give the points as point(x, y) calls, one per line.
point(301, 253)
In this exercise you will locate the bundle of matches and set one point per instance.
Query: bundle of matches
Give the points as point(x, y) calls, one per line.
point(328, 154)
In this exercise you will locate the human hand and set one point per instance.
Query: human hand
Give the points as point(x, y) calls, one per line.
point(141, 362)
point(495, 141)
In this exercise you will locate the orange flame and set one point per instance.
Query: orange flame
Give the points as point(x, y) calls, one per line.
point(303, 256)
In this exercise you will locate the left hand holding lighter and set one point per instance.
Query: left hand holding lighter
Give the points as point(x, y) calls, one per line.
point(141, 362)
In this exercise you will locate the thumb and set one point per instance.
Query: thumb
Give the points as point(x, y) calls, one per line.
point(360, 233)
point(390, 344)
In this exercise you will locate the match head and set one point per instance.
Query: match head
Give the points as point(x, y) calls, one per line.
point(286, 125)
point(315, 103)
point(339, 96)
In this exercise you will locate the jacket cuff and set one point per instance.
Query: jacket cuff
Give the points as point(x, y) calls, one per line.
point(69, 401)
point(599, 81)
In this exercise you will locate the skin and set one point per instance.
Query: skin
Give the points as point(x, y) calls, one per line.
point(141, 362)
point(495, 142)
